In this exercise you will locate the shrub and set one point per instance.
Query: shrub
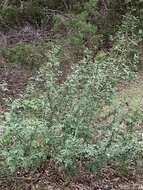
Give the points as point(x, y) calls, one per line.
point(62, 122)
point(126, 43)
point(26, 54)
point(37, 12)
point(78, 28)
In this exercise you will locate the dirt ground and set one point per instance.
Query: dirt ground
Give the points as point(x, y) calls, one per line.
point(48, 178)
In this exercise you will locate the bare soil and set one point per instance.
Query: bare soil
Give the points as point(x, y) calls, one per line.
point(47, 177)
point(135, 82)
point(13, 80)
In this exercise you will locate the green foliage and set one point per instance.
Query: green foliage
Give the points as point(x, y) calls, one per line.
point(62, 121)
point(9, 16)
point(26, 54)
point(49, 122)
point(36, 12)
point(78, 27)
point(126, 43)
point(78, 33)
